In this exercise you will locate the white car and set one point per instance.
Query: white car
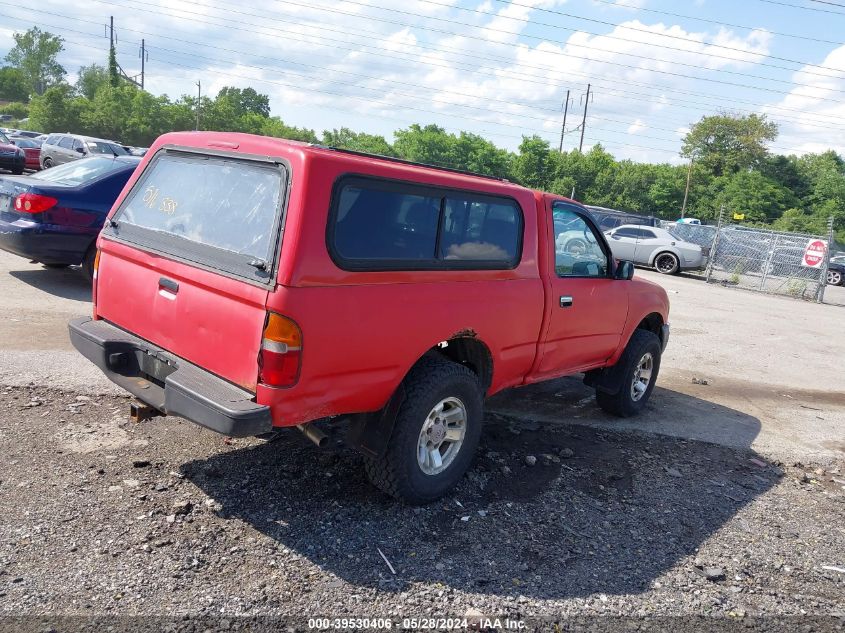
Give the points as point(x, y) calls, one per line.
point(655, 248)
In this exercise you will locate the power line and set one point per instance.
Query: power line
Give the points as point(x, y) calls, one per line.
point(652, 33)
point(627, 95)
point(719, 23)
point(497, 71)
point(795, 6)
point(532, 106)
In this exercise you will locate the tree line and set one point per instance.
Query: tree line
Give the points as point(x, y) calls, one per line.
point(731, 165)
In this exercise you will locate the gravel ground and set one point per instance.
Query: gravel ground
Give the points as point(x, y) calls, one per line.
point(102, 516)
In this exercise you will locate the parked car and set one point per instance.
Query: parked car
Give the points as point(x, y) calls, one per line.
point(31, 149)
point(836, 272)
point(655, 247)
point(247, 283)
point(54, 216)
point(27, 134)
point(611, 218)
point(58, 149)
point(694, 221)
point(12, 158)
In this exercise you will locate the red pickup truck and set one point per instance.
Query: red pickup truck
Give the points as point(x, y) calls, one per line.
point(247, 283)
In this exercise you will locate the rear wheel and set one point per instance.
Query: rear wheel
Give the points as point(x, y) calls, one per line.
point(640, 363)
point(435, 435)
point(55, 266)
point(48, 162)
point(18, 171)
point(834, 278)
point(667, 263)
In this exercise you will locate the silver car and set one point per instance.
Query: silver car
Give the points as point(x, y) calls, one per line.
point(655, 248)
point(58, 149)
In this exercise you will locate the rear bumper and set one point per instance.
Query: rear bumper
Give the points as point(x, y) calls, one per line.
point(12, 163)
point(46, 243)
point(168, 383)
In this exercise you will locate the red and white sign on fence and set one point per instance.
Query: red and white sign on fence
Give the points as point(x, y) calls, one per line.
point(814, 254)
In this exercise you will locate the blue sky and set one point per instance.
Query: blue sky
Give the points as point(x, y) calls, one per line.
point(499, 69)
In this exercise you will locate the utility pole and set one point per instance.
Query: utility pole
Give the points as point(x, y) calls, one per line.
point(199, 97)
point(111, 31)
point(686, 191)
point(143, 59)
point(584, 121)
point(563, 127)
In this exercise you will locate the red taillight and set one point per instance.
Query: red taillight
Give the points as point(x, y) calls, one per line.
point(34, 203)
point(281, 352)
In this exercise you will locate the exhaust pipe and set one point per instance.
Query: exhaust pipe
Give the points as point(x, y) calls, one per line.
point(141, 412)
point(314, 434)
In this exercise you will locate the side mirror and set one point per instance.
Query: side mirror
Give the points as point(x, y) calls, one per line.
point(624, 270)
point(80, 150)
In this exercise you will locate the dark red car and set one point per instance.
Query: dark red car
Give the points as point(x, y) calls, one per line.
point(11, 156)
point(32, 151)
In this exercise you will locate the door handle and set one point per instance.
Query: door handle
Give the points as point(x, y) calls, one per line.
point(566, 302)
point(168, 284)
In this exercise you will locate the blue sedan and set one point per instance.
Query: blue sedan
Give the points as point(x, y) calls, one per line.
point(54, 216)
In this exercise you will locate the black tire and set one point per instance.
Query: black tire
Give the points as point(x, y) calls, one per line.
point(47, 163)
point(17, 172)
point(398, 472)
point(622, 404)
point(88, 262)
point(55, 266)
point(667, 263)
point(835, 278)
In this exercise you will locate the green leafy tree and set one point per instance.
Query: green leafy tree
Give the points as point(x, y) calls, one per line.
point(13, 86)
point(243, 101)
point(35, 54)
point(91, 79)
point(57, 110)
point(357, 141)
point(17, 110)
point(113, 71)
point(726, 143)
point(532, 167)
point(757, 197)
point(428, 144)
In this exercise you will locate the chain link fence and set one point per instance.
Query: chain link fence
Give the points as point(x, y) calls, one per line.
point(763, 260)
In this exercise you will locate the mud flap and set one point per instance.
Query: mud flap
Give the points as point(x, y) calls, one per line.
point(370, 432)
point(607, 379)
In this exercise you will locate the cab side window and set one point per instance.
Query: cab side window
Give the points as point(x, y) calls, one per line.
point(578, 250)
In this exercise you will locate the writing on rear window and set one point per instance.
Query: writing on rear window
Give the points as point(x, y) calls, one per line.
point(225, 204)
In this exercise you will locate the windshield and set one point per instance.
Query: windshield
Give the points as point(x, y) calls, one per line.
point(26, 142)
point(80, 171)
point(3, 138)
point(101, 147)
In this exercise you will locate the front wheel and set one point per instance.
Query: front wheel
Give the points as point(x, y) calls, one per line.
point(435, 436)
point(834, 278)
point(667, 263)
point(639, 364)
point(47, 163)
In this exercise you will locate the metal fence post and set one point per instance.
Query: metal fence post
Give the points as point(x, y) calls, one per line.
point(715, 244)
point(773, 245)
point(823, 281)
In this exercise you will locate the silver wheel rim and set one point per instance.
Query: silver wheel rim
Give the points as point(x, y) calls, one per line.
point(665, 263)
point(642, 377)
point(833, 277)
point(442, 436)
